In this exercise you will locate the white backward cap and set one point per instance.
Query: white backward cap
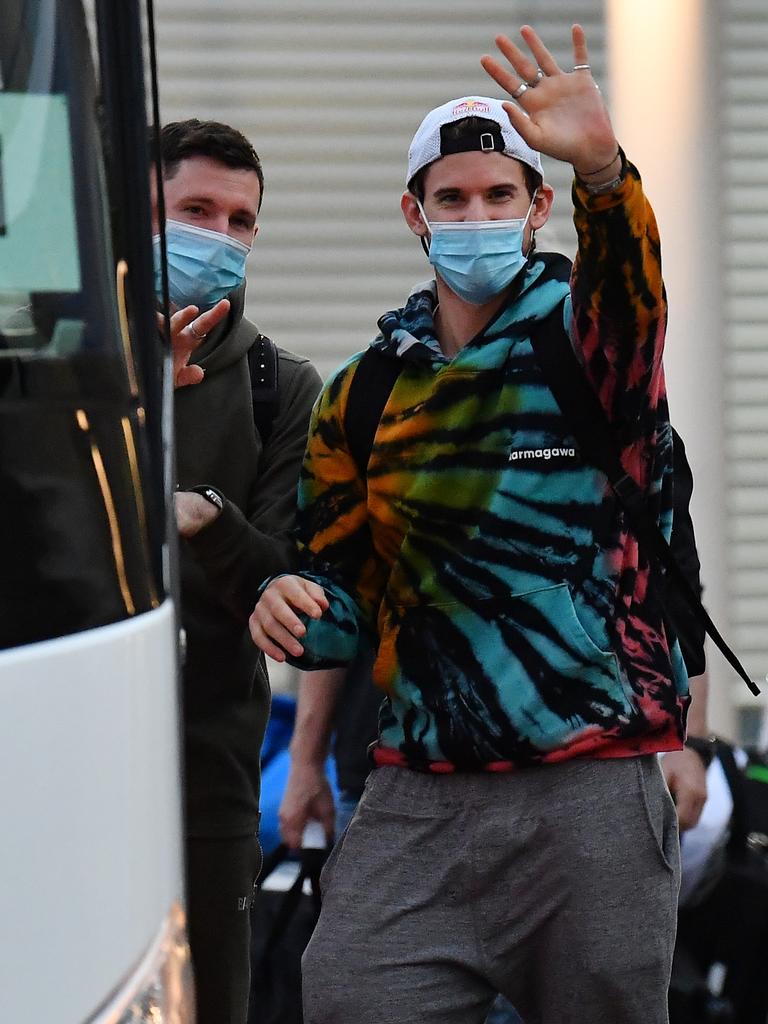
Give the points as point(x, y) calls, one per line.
point(429, 145)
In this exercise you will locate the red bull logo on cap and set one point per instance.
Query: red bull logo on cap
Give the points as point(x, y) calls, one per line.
point(471, 107)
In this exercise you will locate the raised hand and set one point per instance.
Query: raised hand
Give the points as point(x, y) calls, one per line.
point(559, 113)
point(188, 329)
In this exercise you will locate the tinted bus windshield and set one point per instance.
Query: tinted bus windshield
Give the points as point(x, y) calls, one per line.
point(74, 541)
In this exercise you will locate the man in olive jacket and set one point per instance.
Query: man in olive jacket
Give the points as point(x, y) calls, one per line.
point(237, 478)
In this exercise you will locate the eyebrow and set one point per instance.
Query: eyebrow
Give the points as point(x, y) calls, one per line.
point(248, 215)
point(450, 189)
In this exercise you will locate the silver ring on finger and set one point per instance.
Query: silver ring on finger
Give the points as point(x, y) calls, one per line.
point(195, 333)
point(582, 67)
point(520, 90)
point(536, 79)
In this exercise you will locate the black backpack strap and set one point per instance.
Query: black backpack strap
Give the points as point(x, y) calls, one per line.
point(682, 543)
point(286, 910)
point(371, 386)
point(590, 426)
point(263, 365)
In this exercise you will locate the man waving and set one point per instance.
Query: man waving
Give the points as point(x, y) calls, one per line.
point(517, 835)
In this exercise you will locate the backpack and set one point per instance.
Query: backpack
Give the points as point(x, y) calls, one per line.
point(263, 365)
point(685, 616)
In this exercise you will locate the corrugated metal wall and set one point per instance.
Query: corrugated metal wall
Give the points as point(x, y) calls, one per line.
point(330, 94)
point(743, 89)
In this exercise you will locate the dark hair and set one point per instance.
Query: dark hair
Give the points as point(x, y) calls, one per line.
point(469, 128)
point(180, 140)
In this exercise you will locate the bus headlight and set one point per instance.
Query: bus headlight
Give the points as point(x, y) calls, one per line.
point(160, 990)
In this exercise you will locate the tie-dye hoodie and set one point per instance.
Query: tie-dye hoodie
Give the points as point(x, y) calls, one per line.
point(517, 622)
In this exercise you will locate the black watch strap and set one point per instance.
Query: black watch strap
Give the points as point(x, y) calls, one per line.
point(705, 747)
point(211, 494)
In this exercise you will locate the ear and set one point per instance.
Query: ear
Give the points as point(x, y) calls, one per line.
point(542, 207)
point(412, 214)
point(255, 231)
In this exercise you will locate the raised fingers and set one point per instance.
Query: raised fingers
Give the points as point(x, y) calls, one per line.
point(524, 67)
point(208, 320)
point(184, 340)
point(541, 54)
point(182, 318)
point(511, 83)
point(508, 80)
point(522, 73)
point(194, 324)
point(580, 52)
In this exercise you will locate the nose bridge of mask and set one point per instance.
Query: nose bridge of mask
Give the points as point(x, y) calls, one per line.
point(444, 227)
point(204, 241)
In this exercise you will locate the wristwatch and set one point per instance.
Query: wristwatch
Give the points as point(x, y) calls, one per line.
point(705, 747)
point(211, 494)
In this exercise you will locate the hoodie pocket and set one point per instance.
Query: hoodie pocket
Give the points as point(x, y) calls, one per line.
point(576, 650)
point(565, 675)
point(555, 604)
point(525, 661)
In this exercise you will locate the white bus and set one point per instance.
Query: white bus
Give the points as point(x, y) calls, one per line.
point(92, 924)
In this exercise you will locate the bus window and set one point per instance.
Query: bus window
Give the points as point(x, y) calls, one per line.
point(75, 545)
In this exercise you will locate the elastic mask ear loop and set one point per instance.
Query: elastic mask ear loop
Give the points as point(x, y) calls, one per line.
point(531, 244)
point(423, 241)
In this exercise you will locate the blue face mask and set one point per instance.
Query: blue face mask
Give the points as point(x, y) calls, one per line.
point(203, 266)
point(477, 259)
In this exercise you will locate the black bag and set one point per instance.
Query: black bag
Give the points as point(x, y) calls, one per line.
point(282, 922)
point(729, 926)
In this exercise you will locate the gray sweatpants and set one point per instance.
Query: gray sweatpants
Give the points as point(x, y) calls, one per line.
point(556, 886)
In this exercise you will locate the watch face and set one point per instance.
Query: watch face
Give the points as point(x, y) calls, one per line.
point(213, 496)
point(210, 494)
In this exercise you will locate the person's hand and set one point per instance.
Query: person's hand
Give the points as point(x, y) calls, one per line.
point(188, 330)
point(559, 113)
point(274, 620)
point(307, 797)
point(687, 781)
point(193, 512)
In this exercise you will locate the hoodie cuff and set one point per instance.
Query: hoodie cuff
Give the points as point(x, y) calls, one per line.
point(216, 538)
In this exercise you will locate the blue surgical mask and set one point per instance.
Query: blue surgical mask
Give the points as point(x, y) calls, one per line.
point(203, 266)
point(477, 259)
